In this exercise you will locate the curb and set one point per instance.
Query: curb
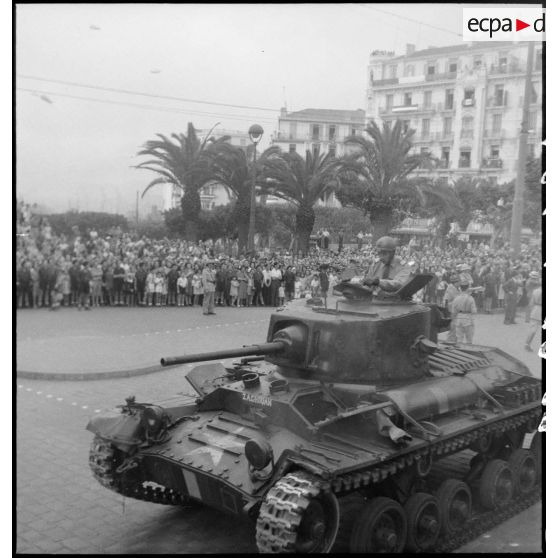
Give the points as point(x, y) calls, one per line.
point(85, 376)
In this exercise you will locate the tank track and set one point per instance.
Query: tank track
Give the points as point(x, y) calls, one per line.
point(103, 463)
point(281, 512)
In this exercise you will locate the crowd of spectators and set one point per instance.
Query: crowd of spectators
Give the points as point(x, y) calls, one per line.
point(89, 269)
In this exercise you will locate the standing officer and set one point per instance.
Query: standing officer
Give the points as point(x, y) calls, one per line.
point(388, 272)
point(462, 310)
point(208, 285)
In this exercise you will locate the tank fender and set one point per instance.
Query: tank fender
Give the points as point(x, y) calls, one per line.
point(122, 430)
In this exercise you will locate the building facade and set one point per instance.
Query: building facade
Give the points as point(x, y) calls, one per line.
point(318, 131)
point(464, 102)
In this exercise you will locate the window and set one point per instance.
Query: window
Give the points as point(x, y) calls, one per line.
point(467, 127)
point(315, 131)
point(499, 95)
point(452, 66)
point(371, 77)
point(425, 129)
point(331, 150)
point(389, 101)
point(477, 61)
point(315, 149)
point(431, 68)
point(408, 99)
point(502, 62)
point(496, 123)
point(532, 121)
point(424, 152)
point(406, 125)
point(292, 147)
point(427, 99)
point(393, 71)
point(447, 126)
point(332, 132)
point(449, 98)
point(292, 130)
point(469, 93)
point(494, 151)
point(409, 70)
point(445, 157)
point(353, 131)
point(464, 159)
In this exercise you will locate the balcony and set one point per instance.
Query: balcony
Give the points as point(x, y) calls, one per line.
point(498, 102)
point(468, 102)
point(404, 108)
point(466, 134)
point(442, 76)
point(464, 163)
point(511, 68)
point(382, 82)
point(492, 163)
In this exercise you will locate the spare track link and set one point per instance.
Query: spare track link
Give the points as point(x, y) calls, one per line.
point(103, 463)
point(281, 511)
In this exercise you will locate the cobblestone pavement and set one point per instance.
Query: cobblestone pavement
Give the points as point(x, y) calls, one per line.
point(60, 508)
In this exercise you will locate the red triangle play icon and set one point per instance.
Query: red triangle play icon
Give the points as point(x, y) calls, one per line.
point(519, 25)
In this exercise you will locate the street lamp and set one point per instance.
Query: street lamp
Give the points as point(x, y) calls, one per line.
point(255, 132)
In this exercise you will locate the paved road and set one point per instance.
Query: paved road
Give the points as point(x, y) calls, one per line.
point(61, 509)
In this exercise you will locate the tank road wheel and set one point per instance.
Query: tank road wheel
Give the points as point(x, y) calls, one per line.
point(454, 501)
point(350, 507)
point(382, 527)
point(297, 515)
point(423, 522)
point(496, 484)
point(524, 468)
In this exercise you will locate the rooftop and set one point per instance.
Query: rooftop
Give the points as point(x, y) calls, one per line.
point(461, 48)
point(357, 115)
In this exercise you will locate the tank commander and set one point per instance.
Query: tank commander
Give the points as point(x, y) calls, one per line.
point(462, 310)
point(388, 272)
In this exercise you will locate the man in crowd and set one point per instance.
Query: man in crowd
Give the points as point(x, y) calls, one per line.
point(462, 310)
point(289, 278)
point(208, 284)
point(388, 272)
point(511, 287)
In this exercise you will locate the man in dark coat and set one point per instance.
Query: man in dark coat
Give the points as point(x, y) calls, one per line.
point(141, 277)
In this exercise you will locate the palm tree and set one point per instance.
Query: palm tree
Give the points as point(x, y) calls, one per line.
point(301, 181)
point(375, 176)
point(173, 162)
point(232, 167)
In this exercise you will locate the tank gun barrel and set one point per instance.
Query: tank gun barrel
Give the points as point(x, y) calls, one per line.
point(250, 350)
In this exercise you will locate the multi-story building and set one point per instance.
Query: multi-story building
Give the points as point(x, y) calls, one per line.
point(318, 131)
point(464, 102)
point(211, 194)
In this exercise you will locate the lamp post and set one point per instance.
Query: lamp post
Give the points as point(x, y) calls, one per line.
point(255, 132)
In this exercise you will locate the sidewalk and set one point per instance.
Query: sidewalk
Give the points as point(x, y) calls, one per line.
point(123, 342)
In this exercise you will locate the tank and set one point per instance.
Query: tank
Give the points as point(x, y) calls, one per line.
point(351, 427)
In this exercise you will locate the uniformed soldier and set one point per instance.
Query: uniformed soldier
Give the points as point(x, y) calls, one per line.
point(462, 310)
point(388, 272)
point(208, 284)
point(449, 296)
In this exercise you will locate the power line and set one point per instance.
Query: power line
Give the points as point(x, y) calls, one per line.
point(149, 107)
point(411, 19)
point(152, 95)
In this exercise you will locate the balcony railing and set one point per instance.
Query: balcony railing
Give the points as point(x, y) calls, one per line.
point(511, 68)
point(492, 163)
point(466, 133)
point(442, 76)
point(464, 163)
point(468, 102)
point(498, 101)
point(389, 81)
point(404, 108)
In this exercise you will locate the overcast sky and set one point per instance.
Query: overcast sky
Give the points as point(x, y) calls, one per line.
point(76, 145)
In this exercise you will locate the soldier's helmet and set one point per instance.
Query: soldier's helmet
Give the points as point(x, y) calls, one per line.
point(386, 243)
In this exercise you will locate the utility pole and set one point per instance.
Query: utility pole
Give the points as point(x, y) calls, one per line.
point(517, 211)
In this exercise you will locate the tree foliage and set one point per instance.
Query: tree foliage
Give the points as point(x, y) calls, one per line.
point(62, 223)
point(300, 181)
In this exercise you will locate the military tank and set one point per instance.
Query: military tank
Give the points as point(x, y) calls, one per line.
point(334, 433)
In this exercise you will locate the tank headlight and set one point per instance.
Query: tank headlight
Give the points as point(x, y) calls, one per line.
point(259, 453)
point(152, 419)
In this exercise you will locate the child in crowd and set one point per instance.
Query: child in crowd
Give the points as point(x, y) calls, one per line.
point(281, 293)
point(129, 288)
point(181, 284)
point(150, 288)
point(235, 283)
